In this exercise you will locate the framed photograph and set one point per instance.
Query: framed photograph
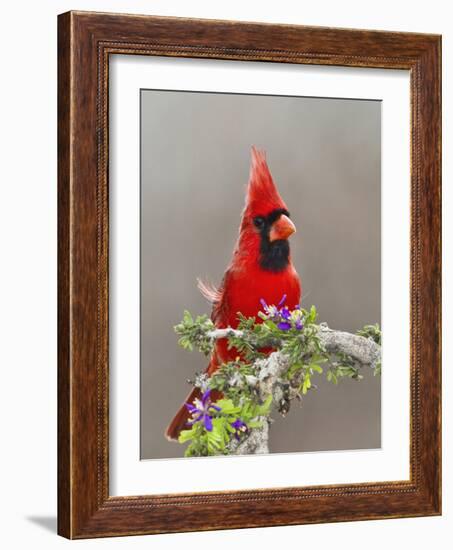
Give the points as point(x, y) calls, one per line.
point(249, 275)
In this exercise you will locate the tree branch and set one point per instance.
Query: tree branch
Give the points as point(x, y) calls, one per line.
point(365, 351)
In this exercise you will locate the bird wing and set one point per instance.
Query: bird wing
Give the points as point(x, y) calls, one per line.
point(209, 291)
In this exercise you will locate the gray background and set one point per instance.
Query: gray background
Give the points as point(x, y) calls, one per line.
point(324, 155)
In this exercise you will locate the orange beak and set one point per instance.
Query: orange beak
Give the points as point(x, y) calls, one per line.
point(282, 229)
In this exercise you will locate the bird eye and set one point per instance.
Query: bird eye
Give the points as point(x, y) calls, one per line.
point(259, 221)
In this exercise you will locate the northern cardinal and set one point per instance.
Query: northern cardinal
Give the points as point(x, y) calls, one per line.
point(261, 269)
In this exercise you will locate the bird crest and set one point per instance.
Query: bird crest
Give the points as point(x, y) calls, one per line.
point(262, 194)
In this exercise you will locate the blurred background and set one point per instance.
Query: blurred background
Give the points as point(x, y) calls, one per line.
point(325, 157)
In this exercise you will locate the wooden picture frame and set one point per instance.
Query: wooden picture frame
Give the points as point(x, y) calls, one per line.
point(85, 42)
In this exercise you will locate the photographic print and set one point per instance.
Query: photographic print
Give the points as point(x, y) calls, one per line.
point(260, 274)
point(247, 213)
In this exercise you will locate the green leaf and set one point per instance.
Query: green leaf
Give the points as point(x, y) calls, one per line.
point(319, 359)
point(312, 315)
point(316, 367)
point(227, 406)
point(306, 385)
point(187, 317)
point(293, 369)
point(263, 409)
point(254, 424)
point(186, 435)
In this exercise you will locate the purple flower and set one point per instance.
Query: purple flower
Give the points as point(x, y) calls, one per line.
point(272, 312)
point(282, 315)
point(240, 427)
point(296, 319)
point(285, 313)
point(201, 410)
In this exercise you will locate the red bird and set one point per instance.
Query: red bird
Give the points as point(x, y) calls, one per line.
point(261, 268)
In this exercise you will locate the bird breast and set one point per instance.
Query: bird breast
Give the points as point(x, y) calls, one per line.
point(246, 291)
